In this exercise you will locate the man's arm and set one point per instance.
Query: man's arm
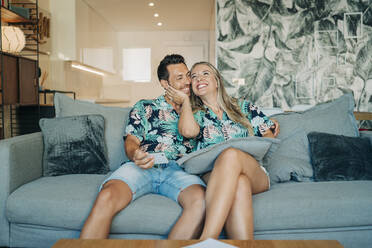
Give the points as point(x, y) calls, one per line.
point(134, 153)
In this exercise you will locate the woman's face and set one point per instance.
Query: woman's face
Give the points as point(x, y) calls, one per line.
point(203, 81)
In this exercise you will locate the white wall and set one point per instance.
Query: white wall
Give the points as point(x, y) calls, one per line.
point(162, 43)
point(77, 30)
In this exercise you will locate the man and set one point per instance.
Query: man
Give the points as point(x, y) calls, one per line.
point(152, 127)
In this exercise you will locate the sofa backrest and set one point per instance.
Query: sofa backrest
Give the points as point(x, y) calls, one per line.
point(115, 122)
point(292, 159)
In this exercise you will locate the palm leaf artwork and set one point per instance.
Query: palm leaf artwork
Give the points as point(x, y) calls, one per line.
point(363, 69)
point(259, 73)
point(270, 44)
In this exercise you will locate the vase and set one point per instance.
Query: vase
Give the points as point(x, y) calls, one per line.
point(13, 39)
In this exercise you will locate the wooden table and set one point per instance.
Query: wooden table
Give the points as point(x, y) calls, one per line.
point(116, 243)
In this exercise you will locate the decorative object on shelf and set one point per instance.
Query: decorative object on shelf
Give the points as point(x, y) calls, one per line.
point(24, 12)
point(4, 3)
point(44, 26)
point(44, 76)
point(13, 39)
point(44, 29)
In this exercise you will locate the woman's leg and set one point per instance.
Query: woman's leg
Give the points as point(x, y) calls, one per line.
point(222, 187)
point(239, 222)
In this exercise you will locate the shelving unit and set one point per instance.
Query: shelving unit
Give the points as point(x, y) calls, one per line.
point(20, 73)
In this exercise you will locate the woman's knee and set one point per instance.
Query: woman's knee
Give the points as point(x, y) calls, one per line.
point(229, 153)
point(231, 158)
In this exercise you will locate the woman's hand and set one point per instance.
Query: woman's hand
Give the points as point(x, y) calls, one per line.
point(176, 96)
point(276, 129)
point(273, 131)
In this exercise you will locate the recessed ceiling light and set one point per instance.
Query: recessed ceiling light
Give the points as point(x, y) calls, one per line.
point(159, 24)
point(156, 15)
point(151, 4)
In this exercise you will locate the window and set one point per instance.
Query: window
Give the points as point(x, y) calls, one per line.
point(137, 64)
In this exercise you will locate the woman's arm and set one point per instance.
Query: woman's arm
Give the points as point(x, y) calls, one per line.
point(187, 125)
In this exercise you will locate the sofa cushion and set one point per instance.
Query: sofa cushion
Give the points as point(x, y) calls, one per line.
point(312, 205)
point(292, 159)
point(74, 145)
point(337, 157)
point(115, 121)
point(66, 201)
point(201, 161)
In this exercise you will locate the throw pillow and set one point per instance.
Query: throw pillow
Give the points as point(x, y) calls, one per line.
point(339, 158)
point(292, 160)
point(201, 161)
point(115, 121)
point(74, 145)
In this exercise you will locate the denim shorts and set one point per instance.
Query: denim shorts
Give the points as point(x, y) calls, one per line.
point(163, 179)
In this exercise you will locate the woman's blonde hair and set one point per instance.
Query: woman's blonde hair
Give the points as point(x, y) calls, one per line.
point(226, 102)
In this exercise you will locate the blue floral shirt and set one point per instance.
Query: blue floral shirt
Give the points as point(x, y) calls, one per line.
point(214, 131)
point(155, 124)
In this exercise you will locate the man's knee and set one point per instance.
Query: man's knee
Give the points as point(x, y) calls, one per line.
point(114, 196)
point(193, 197)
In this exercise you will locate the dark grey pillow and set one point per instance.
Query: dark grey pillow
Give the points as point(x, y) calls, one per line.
point(74, 145)
point(340, 158)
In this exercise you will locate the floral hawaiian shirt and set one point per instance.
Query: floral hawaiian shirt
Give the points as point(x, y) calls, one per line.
point(214, 131)
point(155, 124)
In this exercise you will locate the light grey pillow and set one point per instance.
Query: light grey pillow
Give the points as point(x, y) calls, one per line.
point(292, 160)
point(202, 161)
point(115, 122)
point(74, 145)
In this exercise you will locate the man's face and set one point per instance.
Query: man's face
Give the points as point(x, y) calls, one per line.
point(179, 77)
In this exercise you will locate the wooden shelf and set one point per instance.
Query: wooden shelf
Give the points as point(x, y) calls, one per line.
point(366, 116)
point(12, 17)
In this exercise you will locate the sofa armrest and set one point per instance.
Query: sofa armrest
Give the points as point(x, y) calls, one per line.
point(20, 163)
point(367, 134)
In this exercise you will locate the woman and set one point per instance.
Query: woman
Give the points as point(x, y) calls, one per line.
point(213, 116)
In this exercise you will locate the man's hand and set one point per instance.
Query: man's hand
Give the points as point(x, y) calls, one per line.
point(142, 159)
point(134, 153)
point(177, 96)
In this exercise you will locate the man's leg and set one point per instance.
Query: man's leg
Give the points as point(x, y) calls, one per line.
point(188, 191)
point(189, 225)
point(114, 196)
point(125, 184)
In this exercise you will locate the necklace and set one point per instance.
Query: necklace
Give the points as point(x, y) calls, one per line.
point(217, 109)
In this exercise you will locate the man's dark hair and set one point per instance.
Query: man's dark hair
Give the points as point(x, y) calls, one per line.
point(168, 60)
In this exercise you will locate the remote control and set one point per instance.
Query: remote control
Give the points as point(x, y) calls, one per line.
point(160, 157)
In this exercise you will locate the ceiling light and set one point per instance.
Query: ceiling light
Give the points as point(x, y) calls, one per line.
point(151, 4)
point(159, 24)
point(156, 15)
point(87, 68)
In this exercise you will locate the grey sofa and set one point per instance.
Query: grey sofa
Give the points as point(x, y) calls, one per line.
point(36, 211)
